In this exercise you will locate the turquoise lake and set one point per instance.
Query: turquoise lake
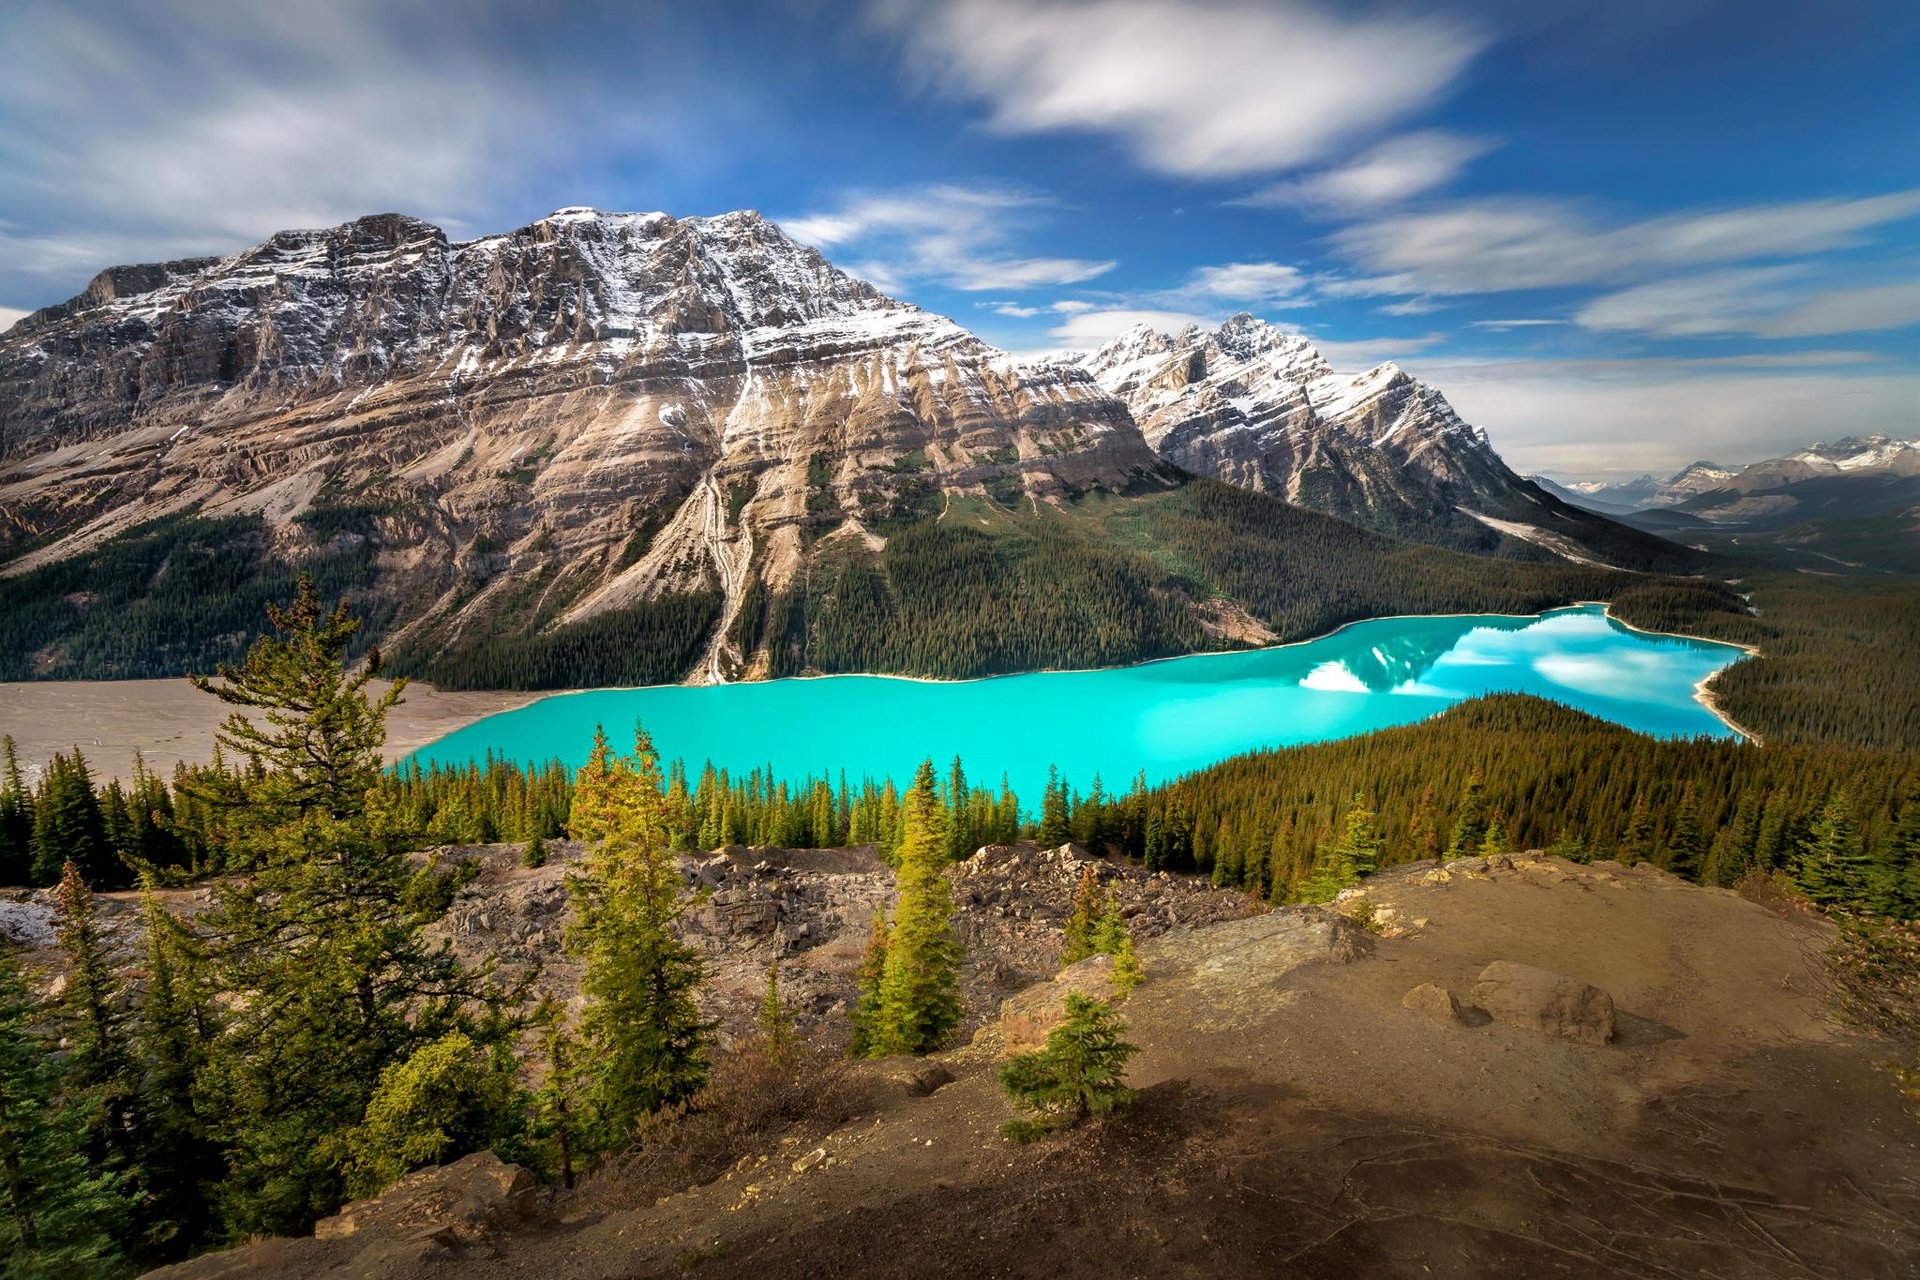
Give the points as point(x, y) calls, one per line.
point(1165, 718)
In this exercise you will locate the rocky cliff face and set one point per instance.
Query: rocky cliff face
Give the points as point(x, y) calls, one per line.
point(1256, 407)
point(633, 403)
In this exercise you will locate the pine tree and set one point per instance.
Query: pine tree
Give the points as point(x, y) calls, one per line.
point(1636, 838)
point(320, 952)
point(100, 1064)
point(1423, 828)
point(556, 1104)
point(1080, 1072)
point(1895, 880)
point(774, 1020)
point(16, 819)
point(68, 826)
point(1113, 938)
point(866, 1009)
point(644, 1039)
point(1830, 866)
point(174, 1026)
point(1470, 819)
point(1084, 920)
point(535, 854)
point(1687, 843)
point(960, 833)
point(1341, 864)
point(1054, 827)
point(1497, 840)
point(58, 1217)
point(920, 983)
point(449, 1098)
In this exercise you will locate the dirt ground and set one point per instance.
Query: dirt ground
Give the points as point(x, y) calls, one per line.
point(1295, 1119)
point(169, 720)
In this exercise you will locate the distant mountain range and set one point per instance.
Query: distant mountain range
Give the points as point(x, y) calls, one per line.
point(1852, 477)
point(600, 412)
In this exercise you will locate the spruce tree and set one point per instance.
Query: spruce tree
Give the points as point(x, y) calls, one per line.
point(1894, 884)
point(320, 952)
point(1084, 920)
point(1636, 838)
point(1470, 818)
point(1054, 827)
point(1080, 1072)
point(773, 1019)
point(59, 1217)
point(920, 982)
point(1829, 865)
point(449, 1098)
point(1113, 938)
point(1340, 864)
point(865, 1015)
point(960, 833)
point(68, 826)
point(174, 1026)
point(100, 1064)
point(1687, 843)
point(644, 1040)
point(556, 1104)
point(16, 819)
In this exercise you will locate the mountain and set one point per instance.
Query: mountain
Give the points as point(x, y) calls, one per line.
point(1259, 408)
point(633, 404)
point(1765, 491)
point(613, 448)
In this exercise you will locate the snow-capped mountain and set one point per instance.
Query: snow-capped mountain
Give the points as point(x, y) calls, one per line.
point(704, 388)
point(1257, 407)
point(1870, 474)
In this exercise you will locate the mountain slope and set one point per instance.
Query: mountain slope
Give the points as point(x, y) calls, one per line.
point(615, 407)
point(1261, 409)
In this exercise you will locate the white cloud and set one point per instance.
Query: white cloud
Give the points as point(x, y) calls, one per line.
point(1364, 353)
point(1013, 309)
point(1194, 89)
point(1085, 330)
point(1501, 326)
point(1766, 302)
point(1505, 243)
point(10, 316)
point(1412, 307)
point(1268, 282)
point(959, 236)
point(1388, 173)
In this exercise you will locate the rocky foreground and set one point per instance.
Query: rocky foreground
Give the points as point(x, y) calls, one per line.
point(1522, 1067)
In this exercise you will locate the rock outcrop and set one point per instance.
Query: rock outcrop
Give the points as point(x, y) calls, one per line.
point(1536, 999)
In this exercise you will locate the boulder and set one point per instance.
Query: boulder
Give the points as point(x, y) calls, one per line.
point(1026, 1018)
point(467, 1198)
point(1553, 1004)
point(1434, 1001)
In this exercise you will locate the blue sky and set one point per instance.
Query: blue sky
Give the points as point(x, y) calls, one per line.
point(1619, 236)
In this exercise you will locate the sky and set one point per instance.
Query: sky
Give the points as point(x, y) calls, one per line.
point(1620, 237)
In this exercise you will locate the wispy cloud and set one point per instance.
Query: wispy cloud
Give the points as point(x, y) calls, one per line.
point(1195, 89)
point(10, 316)
point(1085, 330)
point(1507, 243)
point(959, 236)
point(1502, 326)
point(1364, 353)
point(1765, 302)
point(1386, 174)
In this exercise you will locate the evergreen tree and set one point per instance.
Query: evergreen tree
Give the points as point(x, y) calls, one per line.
point(1084, 920)
point(1636, 838)
point(1687, 843)
point(644, 1039)
point(449, 1098)
point(1423, 828)
point(774, 1020)
point(16, 819)
point(174, 1026)
point(556, 1104)
point(1341, 864)
point(1497, 840)
point(1113, 938)
point(1054, 827)
point(58, 1217)
point(960, 834)
point(535, 854)
point(320, 953)
point(1895, 880)
point(1080, 1072)
point(1829, 865)
point(1470, 819)
point(920, 983)
point(68, 826)
point(100, 1063)
point(866, 1009)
